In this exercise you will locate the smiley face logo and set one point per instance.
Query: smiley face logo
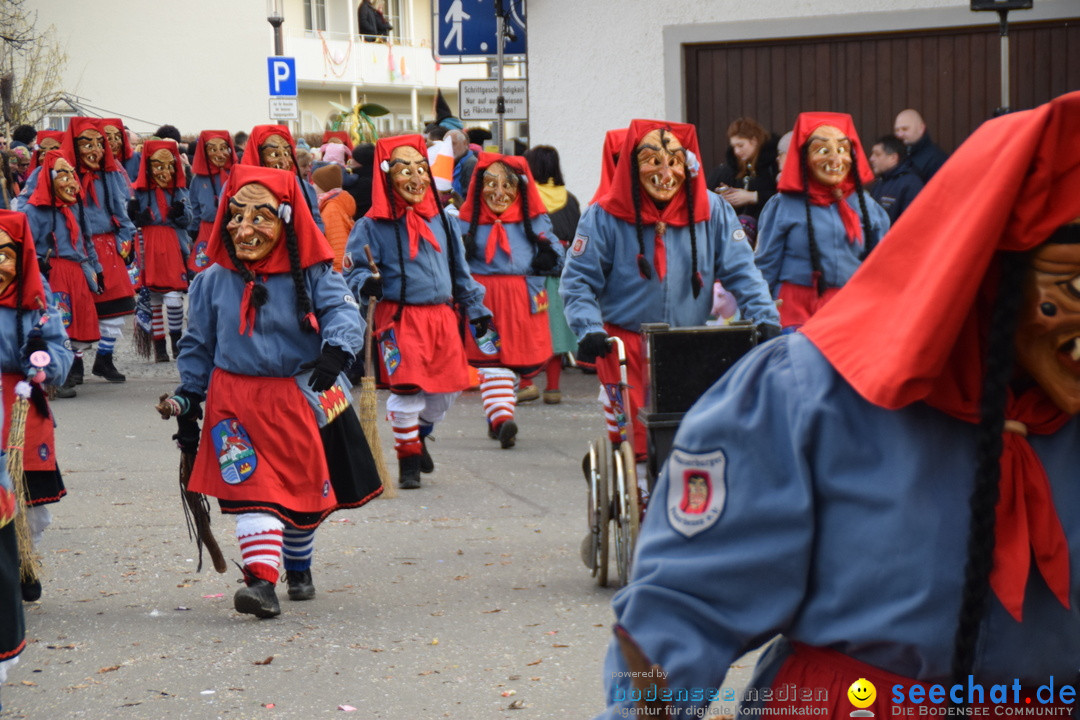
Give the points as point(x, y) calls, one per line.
point(862, 693)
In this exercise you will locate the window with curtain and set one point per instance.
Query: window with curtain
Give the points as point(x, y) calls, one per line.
point(315, 15)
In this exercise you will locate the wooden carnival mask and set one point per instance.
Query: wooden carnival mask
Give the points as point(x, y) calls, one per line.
point(1048, 335)
point(163, 167)
point(409, 174)
point(661, 165)
point(64, 185)
point(217, 152)
point(115, 138)
point(9, 261)
point(500, 188)
point(90, 145)
point(45, 146)
point(829, 155)
point(254, 224)
point(276, 153)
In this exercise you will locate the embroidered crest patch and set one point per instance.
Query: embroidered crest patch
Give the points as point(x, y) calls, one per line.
point(697, 490)
point(202, 260)
point(350, 300)
point(235, 454)
point(579, 244)
point(739, 234)
point(63, 304)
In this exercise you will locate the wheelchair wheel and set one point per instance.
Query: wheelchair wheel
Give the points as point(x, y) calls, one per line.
point(598, 470)
point(627, 515)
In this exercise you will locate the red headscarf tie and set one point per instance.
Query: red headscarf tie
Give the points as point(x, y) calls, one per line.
point(497, 239)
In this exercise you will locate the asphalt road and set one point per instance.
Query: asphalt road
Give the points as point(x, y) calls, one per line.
point(457, 600)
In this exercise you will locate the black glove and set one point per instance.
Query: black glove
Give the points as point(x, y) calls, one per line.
point(190, 275)
point(546, 259)
point(176, 210)
point(187, 434)
point(481, 325)
point(768, 331)
point(34, 343)
point(592, 346)
point(100, 278)
point(325, 370)
point(372, 287)
point(44, 266)
point(133, 210)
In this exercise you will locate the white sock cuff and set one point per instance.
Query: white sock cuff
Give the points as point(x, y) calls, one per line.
point(256, 524)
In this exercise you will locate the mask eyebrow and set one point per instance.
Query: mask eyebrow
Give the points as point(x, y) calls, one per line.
point(820, 139)
point(644, 146)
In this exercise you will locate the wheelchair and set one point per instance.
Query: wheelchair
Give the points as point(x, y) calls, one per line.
point(682, 364)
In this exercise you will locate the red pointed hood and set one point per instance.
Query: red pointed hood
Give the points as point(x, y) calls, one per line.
point(380, 194)
point(613, 141)
point(259, 134)
point(118, 123)
point(513, 213)
point(76, 126)
point(201, 165)
point(57, 135)
point(340, 135)
point(805, 124)
point(32, 293)
point(145, 181)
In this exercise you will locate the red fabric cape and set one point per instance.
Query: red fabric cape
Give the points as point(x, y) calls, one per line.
point(512, 214)
point(618, 200)
point(57, 135)
point(145, 181)
point(117, 122)
point(613, 141)
point(17, 226)
point(201, 165)
point(311, 242)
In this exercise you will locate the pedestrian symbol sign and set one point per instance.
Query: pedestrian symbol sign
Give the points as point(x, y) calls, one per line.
point(465, 30)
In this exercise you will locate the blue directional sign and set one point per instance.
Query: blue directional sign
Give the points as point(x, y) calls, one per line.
point(282, 73)
point(465, 30)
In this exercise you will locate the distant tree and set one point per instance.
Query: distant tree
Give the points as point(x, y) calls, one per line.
point(31, 66)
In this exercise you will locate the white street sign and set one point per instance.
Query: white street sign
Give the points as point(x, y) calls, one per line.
point(284, 108)
point(477, 99)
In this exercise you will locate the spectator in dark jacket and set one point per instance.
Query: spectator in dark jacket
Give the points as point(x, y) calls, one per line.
point(358, 181)
point(925, 156)
point(747, 179)
point(371, 22)
point(897, 184)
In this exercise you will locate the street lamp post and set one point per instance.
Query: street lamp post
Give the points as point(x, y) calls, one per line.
point(1002, 7)
point(275, 16)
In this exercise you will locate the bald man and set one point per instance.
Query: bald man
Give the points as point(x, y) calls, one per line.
point(925, 156)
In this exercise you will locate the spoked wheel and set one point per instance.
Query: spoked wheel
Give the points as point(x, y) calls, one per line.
point(594, 549)
point(627, 514)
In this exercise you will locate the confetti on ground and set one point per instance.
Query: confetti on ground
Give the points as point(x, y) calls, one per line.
point(509, 693)
point(211, 597)
point(346, 708)
point(269, 706)
point(267, 661)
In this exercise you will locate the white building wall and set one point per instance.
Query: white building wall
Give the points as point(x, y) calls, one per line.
point(594, 65)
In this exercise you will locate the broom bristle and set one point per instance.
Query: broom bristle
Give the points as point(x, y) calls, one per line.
point(28, 561)
point(369, 423)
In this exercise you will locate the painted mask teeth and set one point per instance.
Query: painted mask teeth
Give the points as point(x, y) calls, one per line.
point(1072, 349)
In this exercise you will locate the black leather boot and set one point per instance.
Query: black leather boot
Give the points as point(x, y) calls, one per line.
point(67, 390)
point(174, 338)
point(409, 472)
point(257, 598)
point(104, 368)
point(300, 585)
point(161, 354)
point(75, 375)
point(508, 434)
point(427, 465)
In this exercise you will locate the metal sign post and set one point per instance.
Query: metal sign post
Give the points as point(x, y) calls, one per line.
point(1002, 7)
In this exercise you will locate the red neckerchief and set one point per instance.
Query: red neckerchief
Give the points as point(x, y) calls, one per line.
point(923, 300)
point(824, 195)
point(1027, 522)
point(513, 214)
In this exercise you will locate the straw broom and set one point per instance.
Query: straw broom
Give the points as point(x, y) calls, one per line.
point(29, 564)
point(369, 412)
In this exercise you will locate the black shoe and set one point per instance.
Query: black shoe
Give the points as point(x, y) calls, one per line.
point(104, 368)
point(31, 590)
point(161, 354)
point(258, 599)
point(427, 465)
point(300, 585)
point(174, 338)
point(67, 390)
point(75, 375)
point(507, 434)
point(409, 472)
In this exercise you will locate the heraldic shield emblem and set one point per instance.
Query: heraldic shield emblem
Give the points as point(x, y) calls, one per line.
point(235, 454)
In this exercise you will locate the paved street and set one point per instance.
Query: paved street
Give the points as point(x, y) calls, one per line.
point(456, 600)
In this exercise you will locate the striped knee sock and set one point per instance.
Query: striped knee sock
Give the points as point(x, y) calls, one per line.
point(298, 548)
point(157, 321)
point(176, 317)
point(106, 346)
point(406, 427)
point(609, 419)
point(262, 553)
point(497, 392)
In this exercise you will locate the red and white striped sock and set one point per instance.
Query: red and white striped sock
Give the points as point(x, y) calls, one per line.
point(609, 419)
point(157, 320)
point(497, 392)
point(260, 537)
point(406, 427)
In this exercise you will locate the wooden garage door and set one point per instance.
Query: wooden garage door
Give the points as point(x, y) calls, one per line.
point(951, 76)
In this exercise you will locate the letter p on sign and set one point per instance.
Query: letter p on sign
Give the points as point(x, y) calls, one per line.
point(282, 73)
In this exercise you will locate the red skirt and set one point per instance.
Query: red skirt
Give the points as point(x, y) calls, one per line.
point(260, 446)
point(74, 299)
point(607, 371)
point(163, 267)
point(799, 302)
point(421, 350)
point(525, 336)
point(119, 296)
point(198, 260)
point(39, 445)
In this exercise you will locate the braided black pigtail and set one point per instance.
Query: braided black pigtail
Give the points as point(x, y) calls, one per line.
point(400, 249)
point(308, 323)
point(696, 282)
point(815, 251)
point(469, 238)
point(984, 495)
point(635, 192)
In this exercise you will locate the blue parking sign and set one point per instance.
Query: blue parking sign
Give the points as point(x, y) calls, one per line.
point(467, 29)
point(282, 74)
